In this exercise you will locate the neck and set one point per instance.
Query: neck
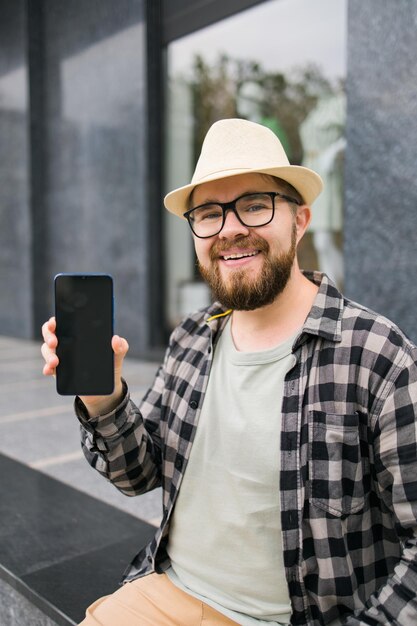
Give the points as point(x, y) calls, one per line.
point(270, 325)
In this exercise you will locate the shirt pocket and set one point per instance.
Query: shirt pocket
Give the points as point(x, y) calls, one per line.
point(335, 463)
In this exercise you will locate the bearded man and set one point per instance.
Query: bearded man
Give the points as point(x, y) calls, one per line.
point(281, 425)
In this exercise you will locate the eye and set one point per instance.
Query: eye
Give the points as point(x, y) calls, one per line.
point(255, 203)
point(207, 213)
point(253, 208)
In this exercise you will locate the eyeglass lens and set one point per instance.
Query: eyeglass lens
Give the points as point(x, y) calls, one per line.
point(252, 209)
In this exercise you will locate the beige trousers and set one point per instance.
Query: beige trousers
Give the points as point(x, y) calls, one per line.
point(152, 601)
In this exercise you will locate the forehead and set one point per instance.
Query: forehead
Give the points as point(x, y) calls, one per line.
point(227, 189)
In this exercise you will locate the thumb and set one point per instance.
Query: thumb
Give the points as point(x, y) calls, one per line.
point(120, 349)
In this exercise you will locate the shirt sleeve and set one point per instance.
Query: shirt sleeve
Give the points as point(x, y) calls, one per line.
point(395, 464)
point(124, 445)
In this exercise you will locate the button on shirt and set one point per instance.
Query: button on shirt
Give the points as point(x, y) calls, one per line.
point(348, 457)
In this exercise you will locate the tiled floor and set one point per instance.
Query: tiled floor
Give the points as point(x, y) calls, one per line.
point(38, 427)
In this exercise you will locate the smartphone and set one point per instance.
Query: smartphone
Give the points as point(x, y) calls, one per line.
point(84, 328)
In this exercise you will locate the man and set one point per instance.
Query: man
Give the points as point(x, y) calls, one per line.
point(281, 424)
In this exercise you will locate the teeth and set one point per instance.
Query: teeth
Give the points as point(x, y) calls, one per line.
point(238, 256)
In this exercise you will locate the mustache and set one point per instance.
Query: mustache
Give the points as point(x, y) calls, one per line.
point(245, 243)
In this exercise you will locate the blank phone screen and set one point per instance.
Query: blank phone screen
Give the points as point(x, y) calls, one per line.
point(84, 328)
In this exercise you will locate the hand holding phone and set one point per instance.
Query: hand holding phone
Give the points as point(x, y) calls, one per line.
point(96, 405)
point(84, 331)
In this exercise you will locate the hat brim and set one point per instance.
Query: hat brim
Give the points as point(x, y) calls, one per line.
point(307, 182)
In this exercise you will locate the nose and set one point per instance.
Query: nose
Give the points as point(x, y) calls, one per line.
point(232, 227)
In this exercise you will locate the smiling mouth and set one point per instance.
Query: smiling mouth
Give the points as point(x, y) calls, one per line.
point(243, 255)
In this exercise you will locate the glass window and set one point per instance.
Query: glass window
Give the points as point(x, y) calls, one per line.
point(283, 64)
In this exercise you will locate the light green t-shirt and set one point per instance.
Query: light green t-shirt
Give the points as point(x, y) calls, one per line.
point(225, 538)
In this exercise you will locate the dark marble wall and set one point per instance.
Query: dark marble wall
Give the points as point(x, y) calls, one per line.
point(381, 159)
point(93, 67)
point(15, 222)
point(73, 175)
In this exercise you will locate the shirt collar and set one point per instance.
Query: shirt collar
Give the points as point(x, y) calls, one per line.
point(324, 319)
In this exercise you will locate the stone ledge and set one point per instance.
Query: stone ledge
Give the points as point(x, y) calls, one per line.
point(61, 549)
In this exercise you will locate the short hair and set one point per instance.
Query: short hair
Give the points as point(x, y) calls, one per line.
point(287, 189)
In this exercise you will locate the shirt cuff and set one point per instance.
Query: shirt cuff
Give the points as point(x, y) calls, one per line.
point(106, 425)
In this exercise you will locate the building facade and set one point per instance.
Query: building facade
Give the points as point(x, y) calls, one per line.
point(103, 106)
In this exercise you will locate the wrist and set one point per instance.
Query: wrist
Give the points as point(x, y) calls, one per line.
point(101, 405)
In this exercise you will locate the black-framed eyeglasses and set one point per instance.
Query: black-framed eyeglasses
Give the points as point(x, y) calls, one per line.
point(251, 209)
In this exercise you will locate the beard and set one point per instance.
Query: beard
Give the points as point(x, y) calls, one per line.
point(241, 292)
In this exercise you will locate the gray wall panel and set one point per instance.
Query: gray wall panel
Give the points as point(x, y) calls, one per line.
point(95, 144)
point(15, 223)
point(381, 159)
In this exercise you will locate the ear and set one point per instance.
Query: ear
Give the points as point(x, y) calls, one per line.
point(302, 220)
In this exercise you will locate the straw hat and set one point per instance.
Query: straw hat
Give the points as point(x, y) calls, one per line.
point(234, 146)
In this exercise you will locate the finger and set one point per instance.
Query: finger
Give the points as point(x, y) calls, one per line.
point(48, 353)
point(51, 359)
point(48, 333)
point(120, 346)
point(49, 325)
point(48, 370)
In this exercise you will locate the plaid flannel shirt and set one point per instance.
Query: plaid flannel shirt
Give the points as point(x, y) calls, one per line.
point(348, 480)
